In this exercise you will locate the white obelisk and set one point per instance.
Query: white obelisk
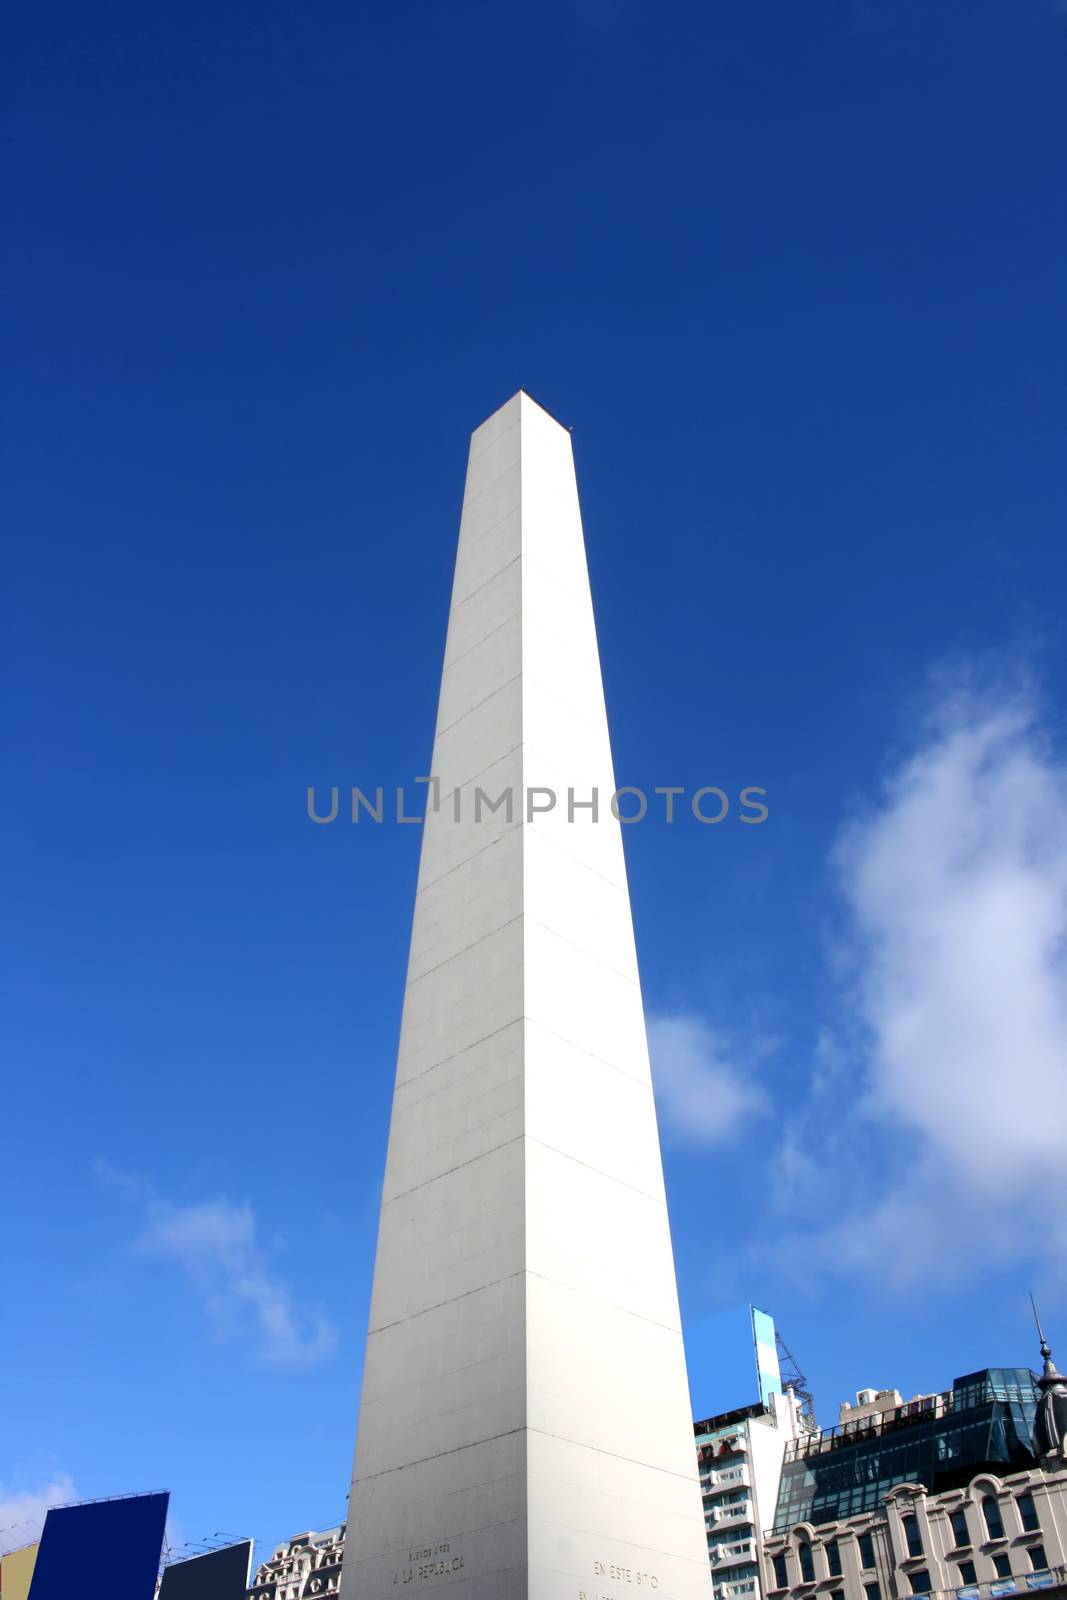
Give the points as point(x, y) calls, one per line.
point(524, 1429)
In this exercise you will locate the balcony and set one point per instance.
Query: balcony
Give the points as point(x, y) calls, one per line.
point(742, 1526)
point(741, 1512)
point(729, 1555)
point(726, 1478)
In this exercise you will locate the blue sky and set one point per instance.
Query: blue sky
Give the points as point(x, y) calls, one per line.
point(794, 273)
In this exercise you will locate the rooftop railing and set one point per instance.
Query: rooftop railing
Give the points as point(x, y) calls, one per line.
point(997, 1588)
point(872, 1427)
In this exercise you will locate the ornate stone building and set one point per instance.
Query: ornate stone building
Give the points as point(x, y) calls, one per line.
point(306, 1567)
point(999, 1536)
point(960, 1496)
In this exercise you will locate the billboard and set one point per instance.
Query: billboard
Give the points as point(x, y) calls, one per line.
point(218, 1575)
point(768, 1370)
point(732, 1359)
point(16, 1570)
point(120, 1540)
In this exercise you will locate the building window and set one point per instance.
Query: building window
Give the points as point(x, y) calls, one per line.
point(920, 1581)
point(1028, 1512)
point(833, 1557)
point(1038, 1559)
point(807, 1564)
point(967, 1573)
point(781, 1572)
point(993, 1520)
point(872, 1591)
point(912, 1534)
point(867, 1550)
point(960, 1531)
point(1002, 1563)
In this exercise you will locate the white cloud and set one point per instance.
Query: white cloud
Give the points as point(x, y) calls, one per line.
point(22, 1511)
point(702, 1093)
point(955, 884)
point(216, 1245)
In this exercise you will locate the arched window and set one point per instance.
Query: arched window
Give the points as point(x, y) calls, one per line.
point(993, 1520)
point(912, 1533)
point(807, 1563)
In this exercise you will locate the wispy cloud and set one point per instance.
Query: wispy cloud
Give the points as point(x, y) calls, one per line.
point(216, 1245)
point(955, 890)
point(22, 1511)
point(704, 1086)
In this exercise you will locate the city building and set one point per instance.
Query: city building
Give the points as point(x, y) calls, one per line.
point(303, 1568)
point(739, 1455)
point(961, 1494)
point(740, 1452)
point(986, 1420)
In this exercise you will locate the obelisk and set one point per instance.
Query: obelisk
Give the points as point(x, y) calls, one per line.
point(524, 1428)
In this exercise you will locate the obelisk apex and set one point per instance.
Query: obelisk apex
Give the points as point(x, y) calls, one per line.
point(524, 1428)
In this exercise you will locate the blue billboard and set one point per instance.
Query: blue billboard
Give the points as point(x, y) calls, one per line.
point(732, 1360)
point(119, 1540)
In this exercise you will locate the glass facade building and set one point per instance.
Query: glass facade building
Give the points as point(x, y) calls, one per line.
point(985, 1420)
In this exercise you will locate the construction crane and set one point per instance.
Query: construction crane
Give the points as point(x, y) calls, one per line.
point(794, 1379)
